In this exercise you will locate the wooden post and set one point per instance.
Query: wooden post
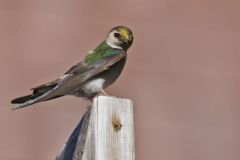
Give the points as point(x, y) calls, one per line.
point(106, 132)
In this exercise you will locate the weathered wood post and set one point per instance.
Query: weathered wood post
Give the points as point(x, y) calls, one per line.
point(106, 132)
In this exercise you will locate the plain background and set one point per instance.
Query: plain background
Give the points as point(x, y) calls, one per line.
point(182, 74)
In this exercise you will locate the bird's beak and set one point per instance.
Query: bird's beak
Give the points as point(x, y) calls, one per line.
point(126, 44)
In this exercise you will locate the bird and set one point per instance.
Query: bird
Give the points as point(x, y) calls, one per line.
point(87, 79)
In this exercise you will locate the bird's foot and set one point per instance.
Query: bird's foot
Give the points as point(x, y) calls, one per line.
point(102, 92)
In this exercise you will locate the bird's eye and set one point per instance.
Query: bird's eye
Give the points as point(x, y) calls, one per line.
point(117, 35)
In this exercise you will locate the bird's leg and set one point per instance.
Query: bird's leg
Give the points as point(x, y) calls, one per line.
point(103, 93)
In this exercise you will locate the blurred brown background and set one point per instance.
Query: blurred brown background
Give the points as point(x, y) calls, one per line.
point(182, 74)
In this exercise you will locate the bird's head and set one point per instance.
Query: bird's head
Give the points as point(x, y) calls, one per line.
point(120, 37)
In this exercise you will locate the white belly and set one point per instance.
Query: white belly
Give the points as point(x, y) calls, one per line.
point(93, 86)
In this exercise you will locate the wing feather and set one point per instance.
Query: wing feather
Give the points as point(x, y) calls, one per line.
point(74, 77)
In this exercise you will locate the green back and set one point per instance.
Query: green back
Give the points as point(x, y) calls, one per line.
point(103, 50)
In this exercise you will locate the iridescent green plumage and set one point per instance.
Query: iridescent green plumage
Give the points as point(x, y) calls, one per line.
point(103, 50)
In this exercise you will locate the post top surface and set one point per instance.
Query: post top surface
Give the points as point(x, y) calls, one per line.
point(104, 98)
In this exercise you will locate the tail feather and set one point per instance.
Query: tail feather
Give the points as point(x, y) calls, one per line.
point(28, 100)
point(20, 101)
point(35, 96)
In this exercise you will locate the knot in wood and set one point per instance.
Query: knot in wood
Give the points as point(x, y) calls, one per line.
point(116, 122)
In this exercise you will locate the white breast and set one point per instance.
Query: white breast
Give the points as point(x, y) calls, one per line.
point(93, 86)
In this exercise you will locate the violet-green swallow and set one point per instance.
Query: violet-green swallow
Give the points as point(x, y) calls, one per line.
point(90, 77)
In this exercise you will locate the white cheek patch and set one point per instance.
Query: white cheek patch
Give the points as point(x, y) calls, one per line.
point(113, 41)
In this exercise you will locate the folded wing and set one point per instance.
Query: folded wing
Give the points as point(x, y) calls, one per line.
point(74, 77)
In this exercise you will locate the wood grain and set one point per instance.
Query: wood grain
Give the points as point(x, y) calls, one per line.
point(106, 132)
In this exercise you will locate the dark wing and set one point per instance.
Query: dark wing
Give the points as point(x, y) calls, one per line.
point(73, 78)
point(78, 68)
point(45, 87)
point(77, 76)
point(81, 67)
